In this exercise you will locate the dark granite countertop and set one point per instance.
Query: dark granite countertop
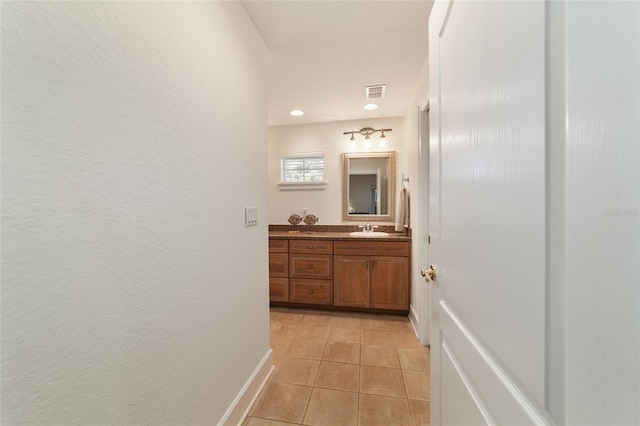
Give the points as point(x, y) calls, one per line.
point(343, 236)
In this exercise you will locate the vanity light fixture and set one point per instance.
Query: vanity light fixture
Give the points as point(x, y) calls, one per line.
point(296, 112)
point(367, 132)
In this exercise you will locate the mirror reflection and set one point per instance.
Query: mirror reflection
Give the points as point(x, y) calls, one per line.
point(368, 186)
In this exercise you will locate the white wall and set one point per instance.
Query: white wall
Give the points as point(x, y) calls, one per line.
point(327, 138)
point(132, 293)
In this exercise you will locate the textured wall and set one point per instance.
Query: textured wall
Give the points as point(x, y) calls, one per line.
point(133, 136)
point(327, 138)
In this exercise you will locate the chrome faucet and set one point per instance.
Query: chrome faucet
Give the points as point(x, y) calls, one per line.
point(367, 228)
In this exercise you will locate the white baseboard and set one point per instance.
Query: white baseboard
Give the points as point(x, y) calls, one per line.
point(240, 406)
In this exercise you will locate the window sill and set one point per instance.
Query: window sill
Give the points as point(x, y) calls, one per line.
point(288, 186)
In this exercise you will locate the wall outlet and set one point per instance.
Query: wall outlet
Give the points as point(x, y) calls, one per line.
point(304, 211)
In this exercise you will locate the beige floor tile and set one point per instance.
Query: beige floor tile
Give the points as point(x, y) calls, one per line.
point(346, 368)
point(382, 381)
point(281, 342)
point(407, 341)
point(414, 359)
point(283, 402)
point(284, 328)
point(378, 337)
point(381, 356)
point(276, 315)
point(338, 375)
point(377, 410)
point(346, 320)
point(303, 347)
point(342, 352)
point(403, 327)
point(421, 413)
point(344, 334)
point(377, 324)
point(332, 407)
point(277, 358)
point(417, 384)
point(319, 318)
point(296, 371)
point(256, 421)
point(292, 316)
point(313, 331)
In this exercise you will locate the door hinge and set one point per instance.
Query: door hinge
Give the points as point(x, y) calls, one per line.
point(429, 239)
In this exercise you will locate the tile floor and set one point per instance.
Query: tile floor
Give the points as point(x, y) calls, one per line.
point(342, 368)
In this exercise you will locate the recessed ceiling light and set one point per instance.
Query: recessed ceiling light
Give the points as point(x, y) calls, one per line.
point(296, 112)
point(370, 107)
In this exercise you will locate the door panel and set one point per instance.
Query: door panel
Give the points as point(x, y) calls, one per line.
point(488, 211)
point(389, 282)
point(351, 281)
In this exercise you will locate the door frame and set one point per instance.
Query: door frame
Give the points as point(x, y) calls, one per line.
point(423, 216)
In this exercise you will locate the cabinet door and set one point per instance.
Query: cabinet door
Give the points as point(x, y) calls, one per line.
point(351, 281)
point(278, 289)
point(390, 282)
point(278, 265)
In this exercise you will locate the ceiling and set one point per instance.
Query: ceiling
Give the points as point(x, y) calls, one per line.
point(322, 54)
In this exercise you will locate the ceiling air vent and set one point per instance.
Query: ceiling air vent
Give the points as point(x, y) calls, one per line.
point(375, 92)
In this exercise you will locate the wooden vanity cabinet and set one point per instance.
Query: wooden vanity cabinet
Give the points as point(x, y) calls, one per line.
point(372, 279)
point(358, 274)
point(311, 271)
point(278, 270)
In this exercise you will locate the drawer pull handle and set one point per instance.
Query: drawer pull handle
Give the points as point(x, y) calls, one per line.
point(310, 247)
point(310, 291)
point(311, 266)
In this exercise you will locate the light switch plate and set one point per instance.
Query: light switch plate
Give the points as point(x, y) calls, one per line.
point(250, 216)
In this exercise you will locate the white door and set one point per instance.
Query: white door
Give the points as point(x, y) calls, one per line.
point(487, 212)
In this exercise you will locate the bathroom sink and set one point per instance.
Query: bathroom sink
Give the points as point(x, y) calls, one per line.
point(369, 234)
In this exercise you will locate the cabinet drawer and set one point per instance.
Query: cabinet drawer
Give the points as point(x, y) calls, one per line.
point(372, 248)
point(278, 265)
point(278, 246)
point(320, 266)
point(319, 292)
point(311, 246)
point(278, 289)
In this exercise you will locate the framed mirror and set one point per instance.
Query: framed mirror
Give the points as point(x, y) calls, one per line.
point(369, 186)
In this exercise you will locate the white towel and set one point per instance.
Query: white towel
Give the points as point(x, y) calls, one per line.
point(402, 216)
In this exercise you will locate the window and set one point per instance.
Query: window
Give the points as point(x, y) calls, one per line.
point(302, 171)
